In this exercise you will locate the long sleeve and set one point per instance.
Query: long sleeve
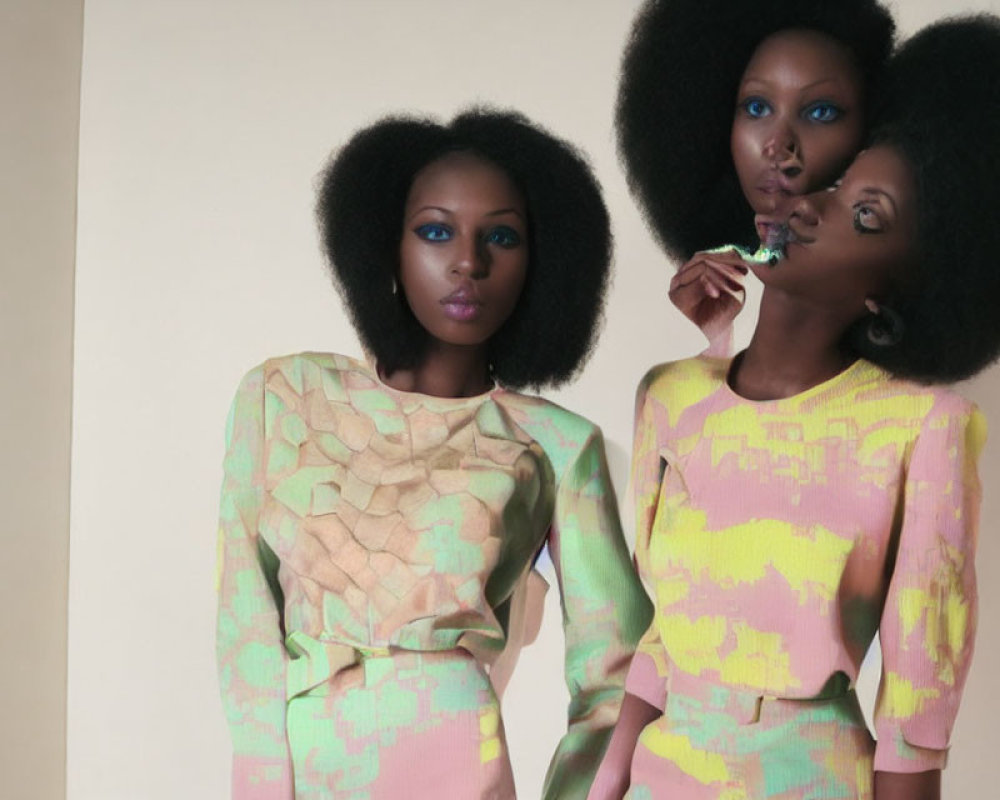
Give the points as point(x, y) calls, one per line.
point(605, 610)
point(647, 676)
point(928, 623)
point(250, 652)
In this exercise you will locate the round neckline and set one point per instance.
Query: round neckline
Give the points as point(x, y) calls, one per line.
point(429, 398)
point(805, 394)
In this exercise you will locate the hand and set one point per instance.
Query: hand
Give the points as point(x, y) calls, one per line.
point(709, 291)
point(612, 779)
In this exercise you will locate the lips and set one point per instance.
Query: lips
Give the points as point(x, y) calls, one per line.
point(775, 183)
point(462, 305)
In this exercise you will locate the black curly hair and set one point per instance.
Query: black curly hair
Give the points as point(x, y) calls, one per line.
point(363, 191)
point(680, 75)
point(941, 112)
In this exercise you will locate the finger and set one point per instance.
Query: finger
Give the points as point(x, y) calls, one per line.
point(710, 287)
point(731, 257)
point(688, 276)
point(734, 274)
point(722, 285)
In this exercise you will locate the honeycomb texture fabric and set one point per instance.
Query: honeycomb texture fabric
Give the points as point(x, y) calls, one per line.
point(374, 547)
point(777, 537)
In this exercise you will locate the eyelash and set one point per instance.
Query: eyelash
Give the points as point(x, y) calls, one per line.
point(511, 238)
point(836, 110)
point(436, 233)
point(860, 209)
point(745, 106)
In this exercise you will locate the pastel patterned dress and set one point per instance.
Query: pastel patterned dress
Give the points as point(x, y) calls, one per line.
point(374, 550)
point(777, 538)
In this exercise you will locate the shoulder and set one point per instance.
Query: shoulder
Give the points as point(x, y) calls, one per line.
point(934, 413)
point(301, 372)
point(683, 382)
point(564, 435)
point(539, 416)
point(906, 398)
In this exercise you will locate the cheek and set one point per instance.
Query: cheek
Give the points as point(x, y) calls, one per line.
point(518, 277)
point(745, 149)
point(417, 264)
point(417, 272)
point(827, 153)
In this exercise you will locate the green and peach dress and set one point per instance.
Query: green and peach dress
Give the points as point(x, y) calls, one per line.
point(374, 550)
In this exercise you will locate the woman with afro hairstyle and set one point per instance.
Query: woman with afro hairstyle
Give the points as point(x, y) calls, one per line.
point(724, 107)
point(822, 485)
point(380, 519)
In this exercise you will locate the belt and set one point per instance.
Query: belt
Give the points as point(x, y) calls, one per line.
point(313, 662)
point(746, 706)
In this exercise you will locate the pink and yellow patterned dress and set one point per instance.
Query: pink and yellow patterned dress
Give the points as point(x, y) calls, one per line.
point(374, 549)
point(777, 538)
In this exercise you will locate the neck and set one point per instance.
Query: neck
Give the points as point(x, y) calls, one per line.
point(446, 371)
point(794, 347)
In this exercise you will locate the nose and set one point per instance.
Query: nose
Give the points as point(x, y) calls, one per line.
point(782, 147)
point(807, 208)
point(472, 258)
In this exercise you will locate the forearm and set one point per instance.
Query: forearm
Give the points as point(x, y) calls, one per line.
point(720, 342)
point(612, 779)
point(908, 786)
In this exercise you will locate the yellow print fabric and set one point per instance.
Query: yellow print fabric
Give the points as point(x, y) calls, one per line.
point(777, 537)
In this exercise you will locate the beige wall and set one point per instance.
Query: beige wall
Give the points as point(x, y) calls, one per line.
point(40, 68)
point(202, 126)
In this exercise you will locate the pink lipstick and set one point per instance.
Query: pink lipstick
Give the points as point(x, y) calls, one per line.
point(462, 305)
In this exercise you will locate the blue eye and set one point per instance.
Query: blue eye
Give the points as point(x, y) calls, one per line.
point(433, 232)
point(823, 112)
point(503, 236)
point(756, 107)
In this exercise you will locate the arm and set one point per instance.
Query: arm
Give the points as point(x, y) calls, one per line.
point(612, 780)
point(646, 684)
point(928, 623)
point(605, 610)
point(911, 786)
point(250, 653)
point(709, 291)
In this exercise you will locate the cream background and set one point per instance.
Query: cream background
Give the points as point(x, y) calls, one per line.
point(201, 129)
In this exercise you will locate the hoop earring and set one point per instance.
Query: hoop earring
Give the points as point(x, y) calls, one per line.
point(885, 326)
point(395, 285)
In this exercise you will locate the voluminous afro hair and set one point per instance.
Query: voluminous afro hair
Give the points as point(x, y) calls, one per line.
point(360, 211)
point(941, 111)
point(680, 76)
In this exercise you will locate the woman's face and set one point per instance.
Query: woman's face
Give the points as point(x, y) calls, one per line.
point(850, 240)
point(798, 119)
point(463, 255)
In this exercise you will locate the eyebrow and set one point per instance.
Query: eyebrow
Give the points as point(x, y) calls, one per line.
point(448, 211)
point(807, 87)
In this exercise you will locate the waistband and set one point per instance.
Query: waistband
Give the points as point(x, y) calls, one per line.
point(312, 662)
point(746, 706)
